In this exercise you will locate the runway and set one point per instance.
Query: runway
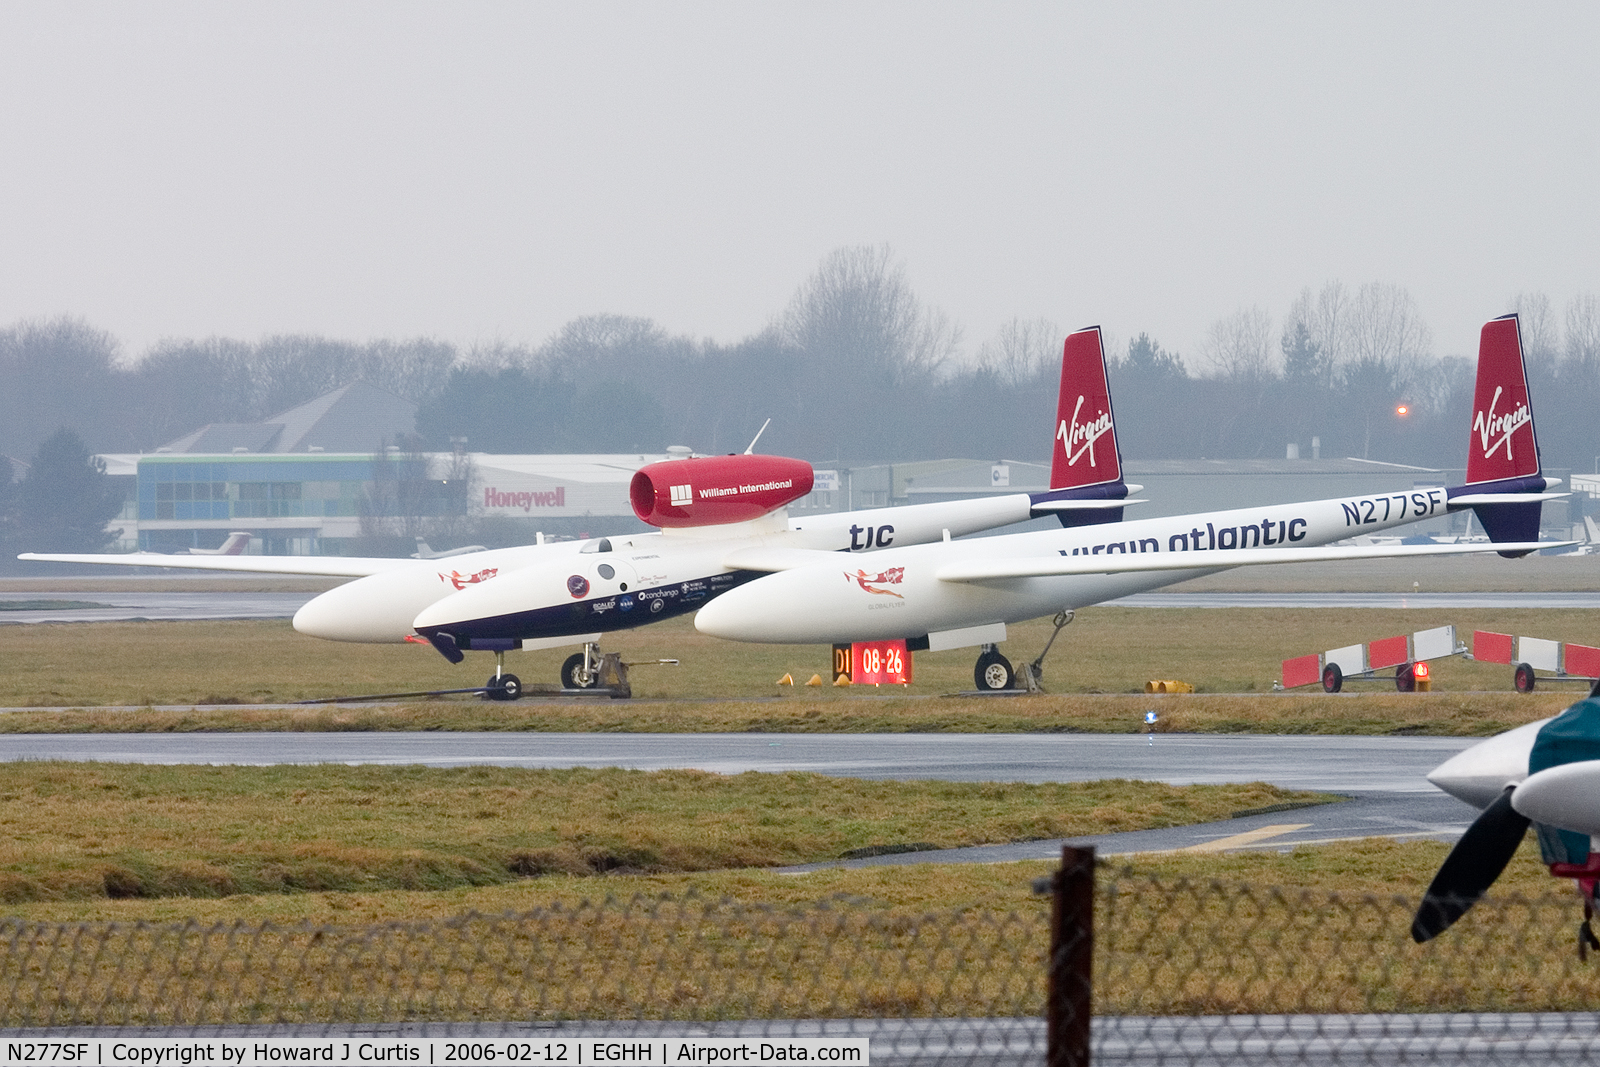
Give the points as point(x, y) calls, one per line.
point(124, 606)
point(1385, 776)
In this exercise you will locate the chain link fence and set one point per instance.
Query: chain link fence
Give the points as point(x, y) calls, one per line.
point(1181, 972)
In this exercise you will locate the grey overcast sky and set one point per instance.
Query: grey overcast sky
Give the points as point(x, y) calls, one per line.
point(492, 170)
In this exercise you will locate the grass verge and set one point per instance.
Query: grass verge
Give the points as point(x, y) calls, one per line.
point(117, 831)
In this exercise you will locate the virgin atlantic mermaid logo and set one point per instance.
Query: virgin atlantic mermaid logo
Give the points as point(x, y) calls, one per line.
point(866, 581)
point(461, 581)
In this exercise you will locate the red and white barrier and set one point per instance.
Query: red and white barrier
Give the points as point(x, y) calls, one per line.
point(1565, 660)
point(1334, 667)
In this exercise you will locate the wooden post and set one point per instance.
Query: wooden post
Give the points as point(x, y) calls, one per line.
point(1071, 985)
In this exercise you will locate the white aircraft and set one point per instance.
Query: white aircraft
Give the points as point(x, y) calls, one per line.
point(424, 552)
point(1545, 774)
point(235, 545)
point(709, 510)
point(963, 593)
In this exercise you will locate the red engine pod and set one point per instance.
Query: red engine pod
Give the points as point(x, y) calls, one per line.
point(713, 490)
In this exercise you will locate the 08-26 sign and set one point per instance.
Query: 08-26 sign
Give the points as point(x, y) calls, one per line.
point(873, 663)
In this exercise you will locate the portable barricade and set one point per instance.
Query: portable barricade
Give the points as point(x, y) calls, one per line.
point(1563, 661)
point(1332, 669)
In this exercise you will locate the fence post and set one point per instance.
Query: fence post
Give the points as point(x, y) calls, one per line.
point(1071, 985)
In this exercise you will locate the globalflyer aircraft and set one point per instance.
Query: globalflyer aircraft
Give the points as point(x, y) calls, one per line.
point(1545, 774)
point(722, 520)
point(964, 593)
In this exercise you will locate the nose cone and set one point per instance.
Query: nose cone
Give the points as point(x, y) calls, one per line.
point(774, 608)
point(523, 603)
point(1482, 772)
point(378, 608)
point(1567, 796)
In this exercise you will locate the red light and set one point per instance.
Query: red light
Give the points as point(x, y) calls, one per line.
point(1402, 410)
point(1420, 670)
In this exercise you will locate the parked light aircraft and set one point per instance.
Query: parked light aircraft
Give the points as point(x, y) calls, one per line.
point(235, 545)
point(713, 512)
point(1545, 774)
point(963, 593)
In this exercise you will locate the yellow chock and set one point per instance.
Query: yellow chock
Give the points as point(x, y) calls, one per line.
point(816, 679)
point(1168, 686)
point(786, 680)
point(843, 679)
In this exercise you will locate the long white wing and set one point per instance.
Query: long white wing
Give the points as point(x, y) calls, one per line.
point(772, 559)
point(980, 570)
point(322, 566)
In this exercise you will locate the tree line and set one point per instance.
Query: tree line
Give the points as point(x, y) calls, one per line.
point(856, 368)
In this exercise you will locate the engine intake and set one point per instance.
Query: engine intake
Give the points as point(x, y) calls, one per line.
point(713, 490)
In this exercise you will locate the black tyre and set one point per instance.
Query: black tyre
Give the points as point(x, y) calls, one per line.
point(573, 675)
point(1523, 679)
point(993, 673)
point(1405, 678)
point(1332, 678)
point(503, 687)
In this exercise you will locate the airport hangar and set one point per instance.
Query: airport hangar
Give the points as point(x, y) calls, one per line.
point(301, 480)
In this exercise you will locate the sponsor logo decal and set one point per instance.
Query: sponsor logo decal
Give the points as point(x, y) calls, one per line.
point(892, 576)
point(578, 585)
point(554, 498)
point(603, 606)
point(655, 605)
point(626, 604)
point(461, 581)
point(1080, 437)
point(682, 495)
point(1487, 424)
point(737, 490)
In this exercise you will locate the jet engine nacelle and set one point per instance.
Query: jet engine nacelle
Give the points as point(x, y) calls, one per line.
point(713, 490)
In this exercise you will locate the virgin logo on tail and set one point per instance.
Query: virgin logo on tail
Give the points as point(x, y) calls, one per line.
point(1083, 434)
point(1486, 424)
point(1083, 417)
point(1502, 441)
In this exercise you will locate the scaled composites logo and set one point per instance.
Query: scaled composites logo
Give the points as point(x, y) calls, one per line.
point(892, 576)
point(1487, 425)
point(1080, 437)
point(461, 581)
point(554, 498)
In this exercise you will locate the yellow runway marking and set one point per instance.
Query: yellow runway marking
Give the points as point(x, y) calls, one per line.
point(1245, 839)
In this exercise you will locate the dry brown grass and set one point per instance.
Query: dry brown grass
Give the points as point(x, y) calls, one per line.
point(1108, 650)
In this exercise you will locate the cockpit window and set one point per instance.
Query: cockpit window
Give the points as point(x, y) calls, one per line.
point(601, 545)
point(607, 571)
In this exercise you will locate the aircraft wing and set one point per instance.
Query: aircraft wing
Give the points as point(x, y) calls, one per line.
point(759, 558)
point(980, 570)
point(1085, 505)
point(321, 566)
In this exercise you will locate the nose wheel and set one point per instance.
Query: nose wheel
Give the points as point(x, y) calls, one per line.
point(502, 686)
point(993, 672)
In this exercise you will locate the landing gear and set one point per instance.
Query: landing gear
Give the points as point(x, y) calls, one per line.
point(582, 669)
point(502, 686)
point(993, 672)
point(1405, 678)
point(1033, 673)
point(1332, 678)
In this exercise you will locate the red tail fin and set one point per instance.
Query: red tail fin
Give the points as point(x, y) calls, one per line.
point(1085, 451)
point(1502, 444)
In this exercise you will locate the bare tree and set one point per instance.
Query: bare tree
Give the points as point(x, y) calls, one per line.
point(1387, 331)
point(1583, 338)
point(1240, 347)
point(1021, 350)
point(1537, 323)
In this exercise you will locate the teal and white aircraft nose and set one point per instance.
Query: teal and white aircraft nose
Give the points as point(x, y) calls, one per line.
point(1479, 775)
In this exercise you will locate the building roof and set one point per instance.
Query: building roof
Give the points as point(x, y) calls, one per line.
point(353, 418)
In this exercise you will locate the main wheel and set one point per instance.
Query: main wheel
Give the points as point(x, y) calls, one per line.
point(504, 687)
point(576, 675)
point(1405, 679)
point(1332, 678)
point(1524, 678)
point(993, 672)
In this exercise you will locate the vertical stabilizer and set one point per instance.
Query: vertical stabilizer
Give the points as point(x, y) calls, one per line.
point(1502, 445)
point(1505, 486)
point(1085, 451)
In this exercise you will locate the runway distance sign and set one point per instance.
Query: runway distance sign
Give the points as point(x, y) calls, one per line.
point(873, 663)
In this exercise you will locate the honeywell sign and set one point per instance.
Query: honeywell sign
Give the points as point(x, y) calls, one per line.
point(525, 500)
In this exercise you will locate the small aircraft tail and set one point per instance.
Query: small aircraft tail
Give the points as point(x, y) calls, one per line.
point(1505, 485)
point(233, 546)
point(1086, 485)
